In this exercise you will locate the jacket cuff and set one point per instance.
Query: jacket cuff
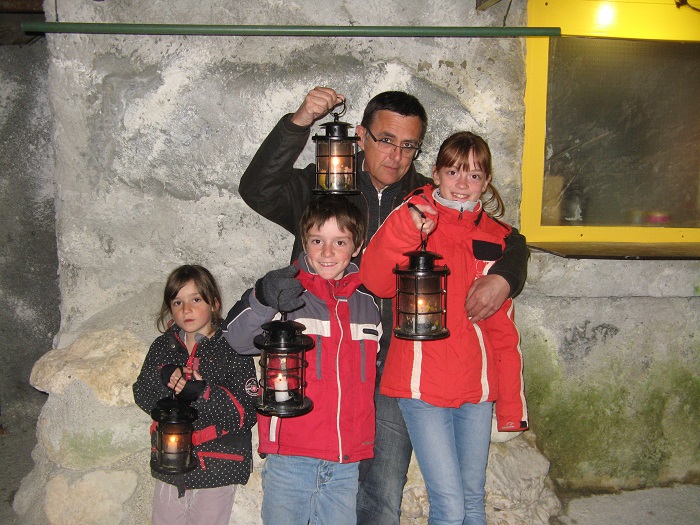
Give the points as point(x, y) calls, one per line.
point(291, 126)
point(260, 308)
point(513, 281)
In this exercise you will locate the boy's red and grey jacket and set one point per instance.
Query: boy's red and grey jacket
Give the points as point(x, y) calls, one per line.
point(344, 321)
point(225, 408)
point(477, 362)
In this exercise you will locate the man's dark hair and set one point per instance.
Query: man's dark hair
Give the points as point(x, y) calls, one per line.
point(396, 102)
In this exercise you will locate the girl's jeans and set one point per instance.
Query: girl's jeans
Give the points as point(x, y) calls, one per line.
point(452, 449)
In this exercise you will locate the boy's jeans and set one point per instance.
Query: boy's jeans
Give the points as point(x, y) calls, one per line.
point(298, 490)
point(452, 449)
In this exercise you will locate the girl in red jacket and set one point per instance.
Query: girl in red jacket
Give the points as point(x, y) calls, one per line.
point(446, 388)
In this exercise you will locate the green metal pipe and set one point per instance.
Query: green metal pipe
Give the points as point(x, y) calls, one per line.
point(260, 30)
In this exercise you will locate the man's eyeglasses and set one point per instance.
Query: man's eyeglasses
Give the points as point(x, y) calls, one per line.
point(386, 146)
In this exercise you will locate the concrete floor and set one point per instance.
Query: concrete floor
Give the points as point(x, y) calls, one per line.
point(678, 505)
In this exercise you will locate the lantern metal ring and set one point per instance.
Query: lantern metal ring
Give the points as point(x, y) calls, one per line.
point(336, 158)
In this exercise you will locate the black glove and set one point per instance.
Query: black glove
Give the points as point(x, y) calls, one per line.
point(192, 390)
point(280, 290)
point(166, 373)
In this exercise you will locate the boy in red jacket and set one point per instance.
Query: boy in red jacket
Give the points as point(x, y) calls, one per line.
point(311, 469)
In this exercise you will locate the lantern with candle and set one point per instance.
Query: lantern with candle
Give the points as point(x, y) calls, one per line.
point(174, 418)
point(336, 153)
point(283, 369)
point(421, 296)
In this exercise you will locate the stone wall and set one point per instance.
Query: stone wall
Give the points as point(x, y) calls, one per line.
point(612, 358)
point(151, 135)
point(29, 293)
point(153, 132)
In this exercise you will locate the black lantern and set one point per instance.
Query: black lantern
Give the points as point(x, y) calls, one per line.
point(173, 436)
point(421, 297)
point(283, 369)
point(336, 153)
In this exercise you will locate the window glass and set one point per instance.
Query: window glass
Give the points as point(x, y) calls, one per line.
point(623, 133)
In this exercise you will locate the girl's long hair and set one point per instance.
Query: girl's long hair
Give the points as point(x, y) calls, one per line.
point(206, 286)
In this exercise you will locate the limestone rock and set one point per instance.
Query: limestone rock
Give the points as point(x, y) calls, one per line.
point(246, 505)
point(78, 431)
point(518, 490)
point(108, 361)
point(26, 502)
point(96, 498)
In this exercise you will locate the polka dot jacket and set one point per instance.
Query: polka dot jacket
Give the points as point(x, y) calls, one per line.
point(225, 408)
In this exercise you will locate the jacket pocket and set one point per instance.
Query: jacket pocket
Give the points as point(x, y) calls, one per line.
point(486, 251)
point(203, 456)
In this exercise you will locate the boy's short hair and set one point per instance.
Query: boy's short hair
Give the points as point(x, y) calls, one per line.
point(346, 215)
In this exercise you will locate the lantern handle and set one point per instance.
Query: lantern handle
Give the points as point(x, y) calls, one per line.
point(172, 390)
point(338, 114)
point(423, 237)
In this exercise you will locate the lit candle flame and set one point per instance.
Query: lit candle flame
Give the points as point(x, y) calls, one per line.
point(281, 388)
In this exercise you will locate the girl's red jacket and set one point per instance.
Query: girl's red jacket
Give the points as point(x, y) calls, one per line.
point(479, 361)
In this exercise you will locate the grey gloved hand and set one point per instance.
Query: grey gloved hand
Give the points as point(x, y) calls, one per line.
point(280, 290)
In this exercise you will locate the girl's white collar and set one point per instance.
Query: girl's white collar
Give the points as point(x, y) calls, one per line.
point(455, 205)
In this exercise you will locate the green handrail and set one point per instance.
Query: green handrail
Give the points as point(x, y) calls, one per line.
point(263, 30)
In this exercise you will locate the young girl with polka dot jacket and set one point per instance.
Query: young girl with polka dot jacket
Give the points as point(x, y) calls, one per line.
point(193, 360)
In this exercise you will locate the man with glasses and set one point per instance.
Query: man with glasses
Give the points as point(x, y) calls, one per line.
point(391, 133)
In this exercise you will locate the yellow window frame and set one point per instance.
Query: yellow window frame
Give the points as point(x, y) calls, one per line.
point(633, 19)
